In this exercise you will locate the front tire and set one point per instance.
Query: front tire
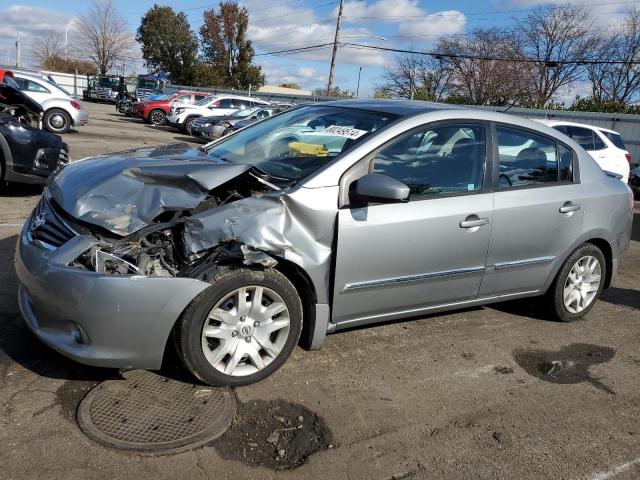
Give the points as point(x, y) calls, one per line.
point(242, 328)
point(157, 117)
point(578, 284)
point(187, 125)
point(57, 121)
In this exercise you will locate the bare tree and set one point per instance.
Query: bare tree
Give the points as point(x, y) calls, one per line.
point(46, 47)
point(102, 36)
point(422, 77)
point(552, 36)
point(619, 82)
point(486, 68)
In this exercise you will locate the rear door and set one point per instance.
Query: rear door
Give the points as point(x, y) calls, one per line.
point(398, 259)
point(538, 210)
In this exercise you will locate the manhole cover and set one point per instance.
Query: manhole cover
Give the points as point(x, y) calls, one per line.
point(147, 412)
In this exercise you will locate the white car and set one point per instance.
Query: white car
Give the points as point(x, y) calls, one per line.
point(182, 116)
point(61, 111)
point(605, 146)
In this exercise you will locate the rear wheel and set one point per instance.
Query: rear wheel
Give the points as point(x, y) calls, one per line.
point(57, 120)
point(157, 117)
point(578, 284)
point(242, 328)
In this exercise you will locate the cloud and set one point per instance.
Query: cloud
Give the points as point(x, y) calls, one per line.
point(29, 22)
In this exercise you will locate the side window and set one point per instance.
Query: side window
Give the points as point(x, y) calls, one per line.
point(525, 158)
point(582, 136)
point(226, 103)
point(35, 87)
point(598, 144)
point(200, 97)
point(437, 160)
point(183, 99)
point(566, 164)
point(22, 83)
point(240, 104)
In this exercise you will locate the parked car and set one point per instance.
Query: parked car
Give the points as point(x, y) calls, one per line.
point(61, 111)
point(28, 154)
point(154, 110)
point(376, 210)
point(634, 182)
point(182, 116)
point(605, 146)
point(212, 127)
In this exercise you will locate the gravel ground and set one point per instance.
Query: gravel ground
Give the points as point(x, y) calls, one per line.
point(473, 394)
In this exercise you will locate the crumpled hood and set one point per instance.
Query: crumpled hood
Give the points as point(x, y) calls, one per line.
point(125, 192)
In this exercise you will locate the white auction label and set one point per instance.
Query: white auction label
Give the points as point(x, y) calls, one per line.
point(347, 132)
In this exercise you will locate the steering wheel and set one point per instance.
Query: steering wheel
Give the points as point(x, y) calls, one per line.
point(507, 178)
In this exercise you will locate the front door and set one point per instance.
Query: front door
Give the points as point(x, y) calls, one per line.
point(537, 213)
point(399, 259)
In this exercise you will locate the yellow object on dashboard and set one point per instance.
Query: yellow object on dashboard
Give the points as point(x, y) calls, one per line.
point(299, 149)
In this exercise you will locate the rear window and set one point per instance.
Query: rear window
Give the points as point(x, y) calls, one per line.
point(615, 139)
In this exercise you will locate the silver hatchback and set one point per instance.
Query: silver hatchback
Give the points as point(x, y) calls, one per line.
point(315, 220)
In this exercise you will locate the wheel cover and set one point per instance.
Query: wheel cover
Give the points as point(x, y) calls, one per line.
point(157, 118)
point(582, 284)
point(245, 331)
point(57, 121)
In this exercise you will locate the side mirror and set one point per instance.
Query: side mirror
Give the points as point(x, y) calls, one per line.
point(378, 188)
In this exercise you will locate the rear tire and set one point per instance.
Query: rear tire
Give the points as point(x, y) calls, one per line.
point(56, 121)
point(225, 340)
point(578, 284)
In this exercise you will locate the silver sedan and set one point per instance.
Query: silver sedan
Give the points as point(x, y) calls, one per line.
point(318, 219)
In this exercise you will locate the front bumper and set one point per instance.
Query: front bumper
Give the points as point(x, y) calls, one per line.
point(118, 321)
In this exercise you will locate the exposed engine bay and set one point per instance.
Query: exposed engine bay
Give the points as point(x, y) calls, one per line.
point(159, 249)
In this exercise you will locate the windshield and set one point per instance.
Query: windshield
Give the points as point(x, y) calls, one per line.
point(205, 101)
point(244, 112)
point(159, 96)
point(108, 82)
point(148, 84)
point(290, 146)
point(55, 85)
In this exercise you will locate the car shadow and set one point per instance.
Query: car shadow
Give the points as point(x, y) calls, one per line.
point(185, 138)
point(19, 345)
point(625, 297)
point(21, 190)
point(534, 308)
point(635, 230)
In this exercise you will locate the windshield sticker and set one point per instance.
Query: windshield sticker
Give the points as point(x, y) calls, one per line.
point(351, 133)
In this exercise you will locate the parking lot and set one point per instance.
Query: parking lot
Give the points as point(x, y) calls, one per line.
point(469, 394)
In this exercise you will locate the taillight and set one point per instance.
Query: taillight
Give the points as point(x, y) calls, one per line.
point(75, 105)
point(628, 155)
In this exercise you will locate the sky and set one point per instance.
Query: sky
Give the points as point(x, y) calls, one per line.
point(285, 24)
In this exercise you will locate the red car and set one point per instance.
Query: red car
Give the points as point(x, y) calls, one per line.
point(155, 108)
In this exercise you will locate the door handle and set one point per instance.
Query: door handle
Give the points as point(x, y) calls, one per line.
point(569, 207)
point(473, 221)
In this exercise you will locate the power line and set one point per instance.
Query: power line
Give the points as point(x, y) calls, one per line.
point(437, 54)
point(296, 50)
point(488, 58)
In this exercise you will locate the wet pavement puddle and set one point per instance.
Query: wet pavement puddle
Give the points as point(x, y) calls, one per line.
point(568, 365)
point(275, 434)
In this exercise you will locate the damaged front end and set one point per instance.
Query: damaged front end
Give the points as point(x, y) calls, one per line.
point(165, 228)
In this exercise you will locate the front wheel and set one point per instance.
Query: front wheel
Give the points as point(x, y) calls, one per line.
point(579, 283)
point(242, 328)
point(157, 117)
point(187, 125)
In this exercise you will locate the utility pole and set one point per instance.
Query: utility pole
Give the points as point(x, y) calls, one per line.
point(358, 87)
point(335, 48)
point(18, 50)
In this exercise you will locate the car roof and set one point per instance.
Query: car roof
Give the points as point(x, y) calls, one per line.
point(574, 124)
point(395, 107)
